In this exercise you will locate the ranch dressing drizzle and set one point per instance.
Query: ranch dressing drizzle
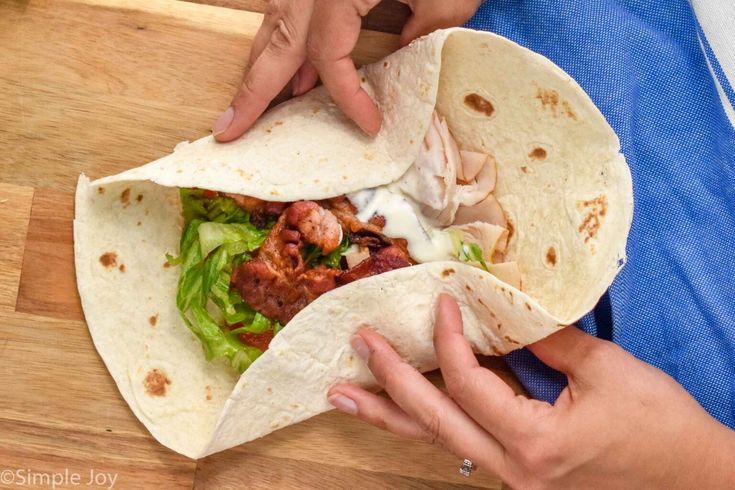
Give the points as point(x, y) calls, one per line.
point(403, 219)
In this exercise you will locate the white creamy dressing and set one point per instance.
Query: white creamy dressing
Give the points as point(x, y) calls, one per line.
point(403, 219)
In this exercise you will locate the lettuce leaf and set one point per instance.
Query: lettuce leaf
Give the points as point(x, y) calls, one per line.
point(313, 255)
point(219, 208)
point(237, 237)
point(217, 238)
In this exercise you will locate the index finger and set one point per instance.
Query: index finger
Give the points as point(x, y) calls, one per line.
point(435, 413)
point(479, 391)
point(333, 35)
point(282, 56)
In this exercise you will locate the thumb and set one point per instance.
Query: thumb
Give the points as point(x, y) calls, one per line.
point(416, 26)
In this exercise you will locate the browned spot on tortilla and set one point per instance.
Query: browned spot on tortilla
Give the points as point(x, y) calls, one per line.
point(268, 130)
point(385, 64)
point(480, 301)
point(497, 351)
point(479, 104)
point(368, 155)
point(548, 97)
point(278, 123)
point(100, 190)
point(147, 212)
point(166, 265)
point(316, 110)
point(524, 169)
point(125, 197)
point(153, 319)
point(269, 390)
point(502, 288)
point(109, 259)
point(537, 153)
point(208, 389)
point(568, 111)
point(551, 256)
point(467, 287)
point(139, 197)
point(511, 340)
point(121, 268)
point(155, 383)
point(447, 272)
point(363, 79)
point(138, 223)
point(528, 307)
point(596, 209)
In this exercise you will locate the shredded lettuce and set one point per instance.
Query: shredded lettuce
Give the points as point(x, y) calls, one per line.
point(237, 238)
point(313, 255)
point(471, 252)
point(217, 238)
point(219, 208)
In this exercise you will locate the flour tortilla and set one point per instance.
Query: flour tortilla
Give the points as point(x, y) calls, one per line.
point(561, 180)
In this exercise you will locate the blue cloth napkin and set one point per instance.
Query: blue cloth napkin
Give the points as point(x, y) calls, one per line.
point(641, 61)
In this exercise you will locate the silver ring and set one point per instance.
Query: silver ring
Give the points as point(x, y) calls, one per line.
point(466, 468)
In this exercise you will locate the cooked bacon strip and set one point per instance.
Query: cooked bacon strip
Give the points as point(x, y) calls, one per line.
point(259, 210)
point(277, 282)
point(368, 234)
point(386, 259)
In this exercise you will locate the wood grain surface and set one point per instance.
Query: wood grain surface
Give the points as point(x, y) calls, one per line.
point(99, 86)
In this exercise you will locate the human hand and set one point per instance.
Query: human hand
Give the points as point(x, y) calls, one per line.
point(304, 40)
point(620, 423)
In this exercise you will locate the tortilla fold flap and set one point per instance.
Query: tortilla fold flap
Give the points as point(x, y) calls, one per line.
point(561, 181)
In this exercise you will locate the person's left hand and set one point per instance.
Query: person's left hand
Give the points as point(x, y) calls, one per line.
point(620, 423)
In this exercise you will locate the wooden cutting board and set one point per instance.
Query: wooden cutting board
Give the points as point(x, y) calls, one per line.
point(99, 86)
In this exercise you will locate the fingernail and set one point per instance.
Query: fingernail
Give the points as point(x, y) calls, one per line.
point(343, 404)
point(224, 121)
point(360, 347)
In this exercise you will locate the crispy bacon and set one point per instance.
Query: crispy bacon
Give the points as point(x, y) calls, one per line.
point(277, 282)
point(259, 340)
point(259, 210)
point(386, 259)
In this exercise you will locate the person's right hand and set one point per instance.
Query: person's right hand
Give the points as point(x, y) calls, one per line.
point(620, 423)
point(310, 39)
